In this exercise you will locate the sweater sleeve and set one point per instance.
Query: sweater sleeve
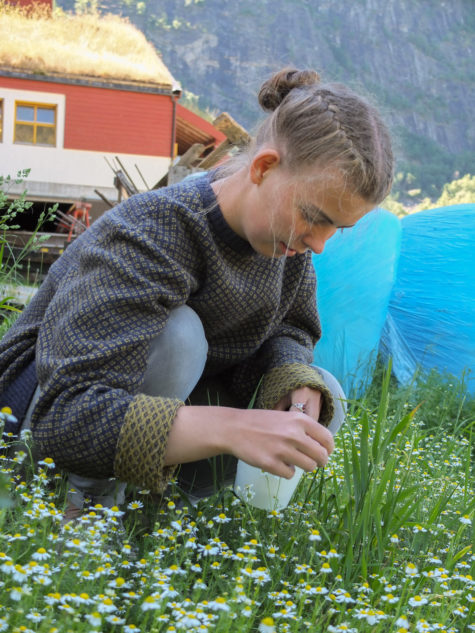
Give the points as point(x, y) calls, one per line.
point(142, 442)
point(280, 380)
point(93, 345)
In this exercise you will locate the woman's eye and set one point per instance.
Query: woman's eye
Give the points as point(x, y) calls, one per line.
point(313, 218)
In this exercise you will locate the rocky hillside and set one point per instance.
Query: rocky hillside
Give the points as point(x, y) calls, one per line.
point(415, 58)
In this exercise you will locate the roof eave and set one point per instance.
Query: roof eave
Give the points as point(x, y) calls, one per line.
point(112, 83)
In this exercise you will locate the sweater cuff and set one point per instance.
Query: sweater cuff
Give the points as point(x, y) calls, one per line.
point(279, 381)
point(142, 442)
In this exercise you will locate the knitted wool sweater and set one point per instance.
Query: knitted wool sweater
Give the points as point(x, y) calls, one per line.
point(90, 325)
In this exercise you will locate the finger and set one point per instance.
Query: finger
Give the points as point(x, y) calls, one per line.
point(281, 469)
point(321, 435)
point(313, 405)
point(311, 455)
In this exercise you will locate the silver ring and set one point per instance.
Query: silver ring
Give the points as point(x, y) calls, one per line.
point(299, 405)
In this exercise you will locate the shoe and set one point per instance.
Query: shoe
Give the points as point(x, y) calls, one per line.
point(71, 514)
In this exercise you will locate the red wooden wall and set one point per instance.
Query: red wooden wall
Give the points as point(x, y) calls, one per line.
point(109, 120)
point(32, 3)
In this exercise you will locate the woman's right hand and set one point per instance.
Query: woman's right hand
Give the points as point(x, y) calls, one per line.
point(275, 441)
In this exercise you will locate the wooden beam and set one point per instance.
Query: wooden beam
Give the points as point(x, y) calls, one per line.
point(234, 132)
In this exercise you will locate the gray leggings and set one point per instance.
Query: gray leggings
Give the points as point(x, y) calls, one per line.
point(177, 377)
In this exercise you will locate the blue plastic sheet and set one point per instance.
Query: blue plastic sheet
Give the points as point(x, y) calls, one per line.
point(355, 275)
point(431, 314)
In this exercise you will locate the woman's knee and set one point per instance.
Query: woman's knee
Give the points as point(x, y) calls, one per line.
point(339, 399)
point(177, 356)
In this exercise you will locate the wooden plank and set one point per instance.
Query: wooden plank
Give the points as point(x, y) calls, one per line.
point(216, 155)
point(234, 132)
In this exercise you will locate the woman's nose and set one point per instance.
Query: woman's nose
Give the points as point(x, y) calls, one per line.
point(315, 240)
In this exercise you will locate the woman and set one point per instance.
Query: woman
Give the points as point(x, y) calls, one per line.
point(208, 283)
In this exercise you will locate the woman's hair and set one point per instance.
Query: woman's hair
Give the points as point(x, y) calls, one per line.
point(314, 124)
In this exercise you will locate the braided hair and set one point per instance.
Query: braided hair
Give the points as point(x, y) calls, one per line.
point(325, 125)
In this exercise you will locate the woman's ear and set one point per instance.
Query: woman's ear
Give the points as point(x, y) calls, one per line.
point(262, 162)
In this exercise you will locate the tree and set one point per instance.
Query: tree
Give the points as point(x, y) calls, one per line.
point(461, 191)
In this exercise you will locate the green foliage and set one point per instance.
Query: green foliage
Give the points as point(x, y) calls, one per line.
point(86, 7)
point(9, 262)
point(192, 102)
point(460, 191)
point(442, 402)
point(391, 203)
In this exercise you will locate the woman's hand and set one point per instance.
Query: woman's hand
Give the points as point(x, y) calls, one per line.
point(275, 441)
point(311, 398)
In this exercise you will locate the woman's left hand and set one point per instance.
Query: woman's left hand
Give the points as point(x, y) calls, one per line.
point(311, 398)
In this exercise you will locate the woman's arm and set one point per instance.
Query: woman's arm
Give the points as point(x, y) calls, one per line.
point(275, 441)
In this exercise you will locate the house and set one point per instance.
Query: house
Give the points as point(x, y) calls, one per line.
point(82, 96)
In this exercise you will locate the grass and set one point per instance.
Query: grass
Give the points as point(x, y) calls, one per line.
point(379, 540)
point(10, 262)
point(107, 47)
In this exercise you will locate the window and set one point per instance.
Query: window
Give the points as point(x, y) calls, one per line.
point(35, 124)
point(1, 120)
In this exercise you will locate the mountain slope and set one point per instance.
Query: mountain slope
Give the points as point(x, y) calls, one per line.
point(415, 58)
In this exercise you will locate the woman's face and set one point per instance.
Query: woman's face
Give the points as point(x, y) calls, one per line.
point(288, 215)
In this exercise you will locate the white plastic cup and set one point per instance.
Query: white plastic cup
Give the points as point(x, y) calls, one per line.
point(263, 490)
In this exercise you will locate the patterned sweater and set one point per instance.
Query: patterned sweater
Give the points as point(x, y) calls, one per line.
point(90, 325)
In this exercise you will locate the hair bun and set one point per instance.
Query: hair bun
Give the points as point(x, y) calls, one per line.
point(276, 88)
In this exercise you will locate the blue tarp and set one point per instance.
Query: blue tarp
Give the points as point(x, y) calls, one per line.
point(415, 277)
point(355, 275)
point(431, 314)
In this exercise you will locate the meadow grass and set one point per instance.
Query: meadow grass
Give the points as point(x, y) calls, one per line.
point(378, 540)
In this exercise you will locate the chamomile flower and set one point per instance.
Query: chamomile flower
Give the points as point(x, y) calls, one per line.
point(41, 554)
point(390, 598)
point(135, 505)
point(267, 626)
point(372, 616)
point(314, 535)
point(106, 606)
point(221, 518)
point(94, 619)
point(219, 604)
point(418, 601)
point(115, 620)
point(34, 616)
point(150, 604)
point(411, 570)
point(402, 622)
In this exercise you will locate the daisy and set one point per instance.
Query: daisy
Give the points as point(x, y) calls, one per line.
point(219, 604)
point(267, 626)
point(221, 518)
point(94, 619)
point(370, 615)
point(417, 601)
point(135, 505)
point(41, 554)
point(411, 570)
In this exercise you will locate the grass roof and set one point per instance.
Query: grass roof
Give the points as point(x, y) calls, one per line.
point(85, 45)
